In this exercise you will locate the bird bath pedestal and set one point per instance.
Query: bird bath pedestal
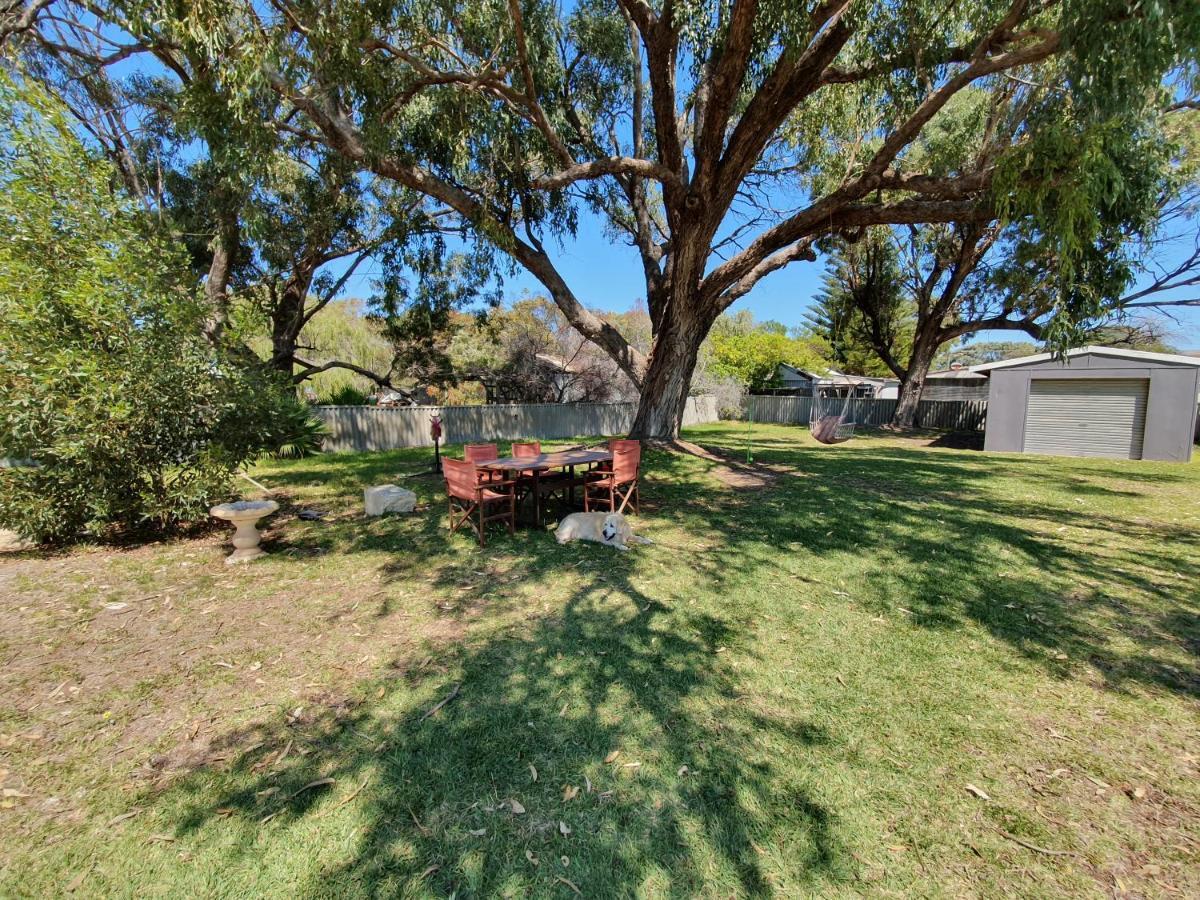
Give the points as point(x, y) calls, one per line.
point(244, 514)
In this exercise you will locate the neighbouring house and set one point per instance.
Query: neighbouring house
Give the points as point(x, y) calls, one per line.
point(388, 397)
point(795, 382)
point(958, 382)
point(955, 383)
point(1094, 401)
point(839, 385)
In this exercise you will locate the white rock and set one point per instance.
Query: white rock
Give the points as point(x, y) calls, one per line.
point(11, 541)
point(387, 498)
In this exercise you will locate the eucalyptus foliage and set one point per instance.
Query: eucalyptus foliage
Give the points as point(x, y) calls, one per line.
point(723, 140)
point(132, 419)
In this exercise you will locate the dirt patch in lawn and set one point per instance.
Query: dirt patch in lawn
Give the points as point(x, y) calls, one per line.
point(146, 656)
point(731, 471)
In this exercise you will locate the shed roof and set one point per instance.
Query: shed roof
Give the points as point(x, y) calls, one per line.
point(963, 374)
point(1143, 355)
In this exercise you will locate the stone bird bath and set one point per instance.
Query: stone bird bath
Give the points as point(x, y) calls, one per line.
point(243, 515)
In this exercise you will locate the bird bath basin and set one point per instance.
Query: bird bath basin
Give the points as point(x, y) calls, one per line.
point(243, 515)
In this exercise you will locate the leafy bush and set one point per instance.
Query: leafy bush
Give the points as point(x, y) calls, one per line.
point(135, 421)
point(753, 358)
point(346, 395)
point(297, 432)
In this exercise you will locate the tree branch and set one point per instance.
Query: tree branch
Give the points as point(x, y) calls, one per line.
point(310, 369)
point(341, 135)
point(16, 17)
point(612, 165)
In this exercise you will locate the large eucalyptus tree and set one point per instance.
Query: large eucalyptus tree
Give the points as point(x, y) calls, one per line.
point(271, 222)
point(940, 282)
point(721, 138)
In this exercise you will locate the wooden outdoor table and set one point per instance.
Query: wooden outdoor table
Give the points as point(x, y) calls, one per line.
point(544, 462)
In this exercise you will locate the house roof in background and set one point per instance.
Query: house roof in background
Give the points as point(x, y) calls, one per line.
point(965, 374)
point(1176, 358)
point(803, 372)
point(835, 377)
point(556, 362)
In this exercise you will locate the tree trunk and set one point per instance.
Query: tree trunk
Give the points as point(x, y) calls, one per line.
point(669, 373)
point(224, 251)
point(912, 385)
point(287, 321)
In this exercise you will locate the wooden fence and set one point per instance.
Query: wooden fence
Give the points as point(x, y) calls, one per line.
point(360, 428)
point(951, 415)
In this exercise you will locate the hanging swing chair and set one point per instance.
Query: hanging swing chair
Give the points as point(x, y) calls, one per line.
point(827, 426)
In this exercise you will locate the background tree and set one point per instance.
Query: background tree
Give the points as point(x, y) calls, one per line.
point(531, 354)
point(1150, 333)
point(957, 279)
point(753, 357)
point(862, 312)
point(134, 420)
point(975, 353)
point(270, 220)
point(684, 125)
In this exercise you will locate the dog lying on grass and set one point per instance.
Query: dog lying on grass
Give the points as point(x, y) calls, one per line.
point(610, 529)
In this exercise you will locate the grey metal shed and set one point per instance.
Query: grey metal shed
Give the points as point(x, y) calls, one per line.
point(1097, 401)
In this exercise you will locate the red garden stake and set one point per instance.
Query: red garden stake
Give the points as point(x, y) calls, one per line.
point(435, 432)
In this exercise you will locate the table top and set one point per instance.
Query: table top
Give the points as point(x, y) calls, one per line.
point(545, 461)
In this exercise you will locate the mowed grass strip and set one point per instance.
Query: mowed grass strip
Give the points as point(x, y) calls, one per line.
point(891, 669)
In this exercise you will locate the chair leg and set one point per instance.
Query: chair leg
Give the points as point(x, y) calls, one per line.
point(629, 498)
point(512, 513)
point(465, 519)
point(482, 526)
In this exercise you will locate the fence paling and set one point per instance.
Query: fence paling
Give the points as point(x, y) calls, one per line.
point(361, 428)
point(964, 415)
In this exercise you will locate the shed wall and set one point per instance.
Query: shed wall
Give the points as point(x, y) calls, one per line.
point(1170, 413)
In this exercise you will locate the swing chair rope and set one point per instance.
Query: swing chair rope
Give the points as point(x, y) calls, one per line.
point(828, 427)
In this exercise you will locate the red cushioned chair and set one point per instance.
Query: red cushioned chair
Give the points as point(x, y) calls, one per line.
point(468, 497)
point(613, 444)
point(526, 450)
point(605, 488)
point(481, 453)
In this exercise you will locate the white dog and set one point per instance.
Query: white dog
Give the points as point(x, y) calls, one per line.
point(606, 528)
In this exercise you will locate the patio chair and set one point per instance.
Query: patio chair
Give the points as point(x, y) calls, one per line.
point(521, 450)
point(613, 445)
point(481, 453)
point(605, 488)
point(468, 496)
point(550, 484)
point(526, 450)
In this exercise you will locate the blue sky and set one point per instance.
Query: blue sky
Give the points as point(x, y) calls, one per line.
point(608, 276)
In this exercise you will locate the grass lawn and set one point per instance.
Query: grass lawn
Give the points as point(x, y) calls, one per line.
point(882, 669)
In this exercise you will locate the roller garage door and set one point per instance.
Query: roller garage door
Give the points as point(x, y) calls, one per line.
point(1086, 417)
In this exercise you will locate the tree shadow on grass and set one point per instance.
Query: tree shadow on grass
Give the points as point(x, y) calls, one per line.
point(1012, 544)
point(616, 695)
point(709, 782)
point(946, 539)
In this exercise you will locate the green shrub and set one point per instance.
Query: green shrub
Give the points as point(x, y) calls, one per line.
point(135, 421)
point(297, 433)
point(346, 395)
